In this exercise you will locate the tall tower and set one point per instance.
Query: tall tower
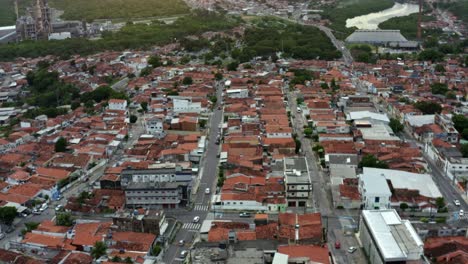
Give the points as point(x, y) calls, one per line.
point(419, 35)
point(42, 18)
point(16, 9)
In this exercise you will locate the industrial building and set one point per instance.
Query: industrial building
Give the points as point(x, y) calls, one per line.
point(392, 38)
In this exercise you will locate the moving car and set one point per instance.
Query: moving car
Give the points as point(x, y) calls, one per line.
point(461, 213)
point(184, 253)
point(181, 242)
point(351, 250)
point(456, 202)
point(207, 191)
point(244, 214)
point(337, 245)
point(196, 219)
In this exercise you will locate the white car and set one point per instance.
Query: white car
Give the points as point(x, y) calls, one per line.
point(351, 250)
point(461, 213)
point(59, 207)
point(196, 219)
point(207, 191)
point(456, 202)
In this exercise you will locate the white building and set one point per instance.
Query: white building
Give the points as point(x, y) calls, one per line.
point(297, 179)
point(118, 104)
point(388, 239)
point(374, 190)
point(186, 105)
point(237, 93)
point(155, 126)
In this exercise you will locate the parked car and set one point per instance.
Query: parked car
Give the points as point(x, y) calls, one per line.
point(207, 191)
point(196, 219)
point(244, 214)
point(43, 207)
point(181, 242)
point(351, 250)
point(461, 213)
point(59, 207)
point(36, 211)
point(184, 253)
point(456, 202)
point(2, 236)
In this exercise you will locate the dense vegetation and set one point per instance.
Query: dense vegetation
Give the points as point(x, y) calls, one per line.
point(132, 36)
point(458, 8)
point(428, 107)
point(338, 14)
point(408, 25)
point(99, 9)
point(271, 35)
point(7, 13)
point(363, 53)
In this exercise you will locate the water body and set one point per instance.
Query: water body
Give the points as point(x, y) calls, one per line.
point(372, 20)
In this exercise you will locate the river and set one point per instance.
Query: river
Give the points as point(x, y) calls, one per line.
point(372, 20)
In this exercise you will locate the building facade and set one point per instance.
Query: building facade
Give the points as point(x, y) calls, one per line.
point(297, 180)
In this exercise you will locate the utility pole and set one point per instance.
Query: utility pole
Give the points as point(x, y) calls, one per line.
point(419, 20)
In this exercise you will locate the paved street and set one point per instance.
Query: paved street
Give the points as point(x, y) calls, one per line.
point(322, 193)
point(201, 200)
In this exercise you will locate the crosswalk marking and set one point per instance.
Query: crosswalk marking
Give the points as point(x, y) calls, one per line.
point(200, 207)
point(191, 226)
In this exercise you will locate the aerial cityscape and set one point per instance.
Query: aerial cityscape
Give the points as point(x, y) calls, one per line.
point(221, 131)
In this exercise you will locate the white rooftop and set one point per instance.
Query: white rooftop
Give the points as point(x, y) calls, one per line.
point(375, 184)
point(378, 132)
point(407, 180)
point(396, 239)
point(420, 120)
point(358, 115)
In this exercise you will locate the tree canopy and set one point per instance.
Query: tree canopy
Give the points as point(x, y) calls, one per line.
point(61, 145)
point(396, 125)
point(99, 249)
point(372, 162)
point(7, 214)
point(428, 107)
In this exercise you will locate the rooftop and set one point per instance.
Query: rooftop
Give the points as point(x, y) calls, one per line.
point(296, 170)
point(376, 36)
point(395, 238)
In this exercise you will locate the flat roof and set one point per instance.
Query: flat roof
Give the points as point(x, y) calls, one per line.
point(375, 184)
point(395, 238)
point(407, 180)
point(378, 132)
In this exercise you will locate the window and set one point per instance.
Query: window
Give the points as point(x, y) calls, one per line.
point(241, 203)
point(377, 199)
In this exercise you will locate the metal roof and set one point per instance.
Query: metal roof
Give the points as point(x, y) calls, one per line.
point(376, 36)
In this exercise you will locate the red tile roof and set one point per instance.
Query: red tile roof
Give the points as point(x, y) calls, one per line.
point(315, 254)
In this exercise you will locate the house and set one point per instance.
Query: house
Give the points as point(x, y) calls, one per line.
point(386, 238)
point(185, 105)
point(300, 228)
point(118, 104)
point(155, 126)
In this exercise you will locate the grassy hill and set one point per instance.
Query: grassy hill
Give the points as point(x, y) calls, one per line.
point(112, 9)
point(408, 25)
point(459, 8)
point(7, 13)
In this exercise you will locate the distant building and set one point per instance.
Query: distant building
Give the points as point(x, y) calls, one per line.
point(36, 24)
point(155, 126)
point(118, 104)
point(186, 105)
point(388, 239)
point(377, 37)
point(60, 36)
point(297, 180)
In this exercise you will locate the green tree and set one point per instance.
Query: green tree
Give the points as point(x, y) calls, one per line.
point(439, 88)
point(116, 259)
point(396, 125)
point(64, 219)
point(155, 61)
point(403, 206)
point(298, 145)
point(440, 202)
point(202, 123)
point(128, 260)
point(460, 122)
point(430, 55)
point(7, 214)
point(156, 250)
point(99, 249)
point(144, 106)
point(233, 66)
point(464, 150)
point(133, 119)
point(187, 80)
point(465, 134)
point(308, 132)
point(75, 105)
point(146, 71)
point(61, 145)
point(439, 68)
point(213, 99)
point(218, 76)
point(371, 161)
point(451, 95)
point(428, 107)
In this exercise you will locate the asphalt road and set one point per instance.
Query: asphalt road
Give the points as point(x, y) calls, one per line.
point(201, 201)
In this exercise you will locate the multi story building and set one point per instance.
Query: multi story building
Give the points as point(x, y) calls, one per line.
point(166, 185)
point(36, 24)
point(297, 180)
point(374, 190)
